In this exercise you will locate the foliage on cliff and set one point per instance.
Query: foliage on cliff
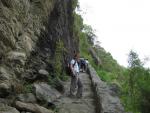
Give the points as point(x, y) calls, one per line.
point(109, 70)
point(133, 81)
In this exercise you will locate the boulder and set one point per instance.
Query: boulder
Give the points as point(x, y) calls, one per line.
point(29, 107)
point(28, 98)
point(25, 112)
point(59, 86)
point(4, 74)
point(6, 101)
point(45, 92)
point(5, 89)
point(5, 82)
point(27, 43)
point(17, 57)
point(7, 109)
point(30, 75)
point(43, 74)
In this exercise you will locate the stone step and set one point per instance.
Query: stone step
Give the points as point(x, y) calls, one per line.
point(78, 105)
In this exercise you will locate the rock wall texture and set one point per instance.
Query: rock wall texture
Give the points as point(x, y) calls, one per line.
point(29, 33)
point(107, 100)
point(95, 57)
point(33, 33)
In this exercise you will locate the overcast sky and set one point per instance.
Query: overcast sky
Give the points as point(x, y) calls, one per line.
point(121, 25)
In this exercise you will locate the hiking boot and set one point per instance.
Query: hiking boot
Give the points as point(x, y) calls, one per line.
point(71, 96)
point(79, 96)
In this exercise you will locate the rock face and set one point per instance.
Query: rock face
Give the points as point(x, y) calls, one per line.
point(34, 108)
point(95, 57)
point(29, 33)
point(5, 82)
point(4, 74)
point(7, 109)
point(28, 98)
point(107, 99)
point(43, 74)
point(16, 57)
point(5, 89)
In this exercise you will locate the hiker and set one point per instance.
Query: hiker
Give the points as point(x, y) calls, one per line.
point(76, 83)
point(86, 64)
point(82, 63)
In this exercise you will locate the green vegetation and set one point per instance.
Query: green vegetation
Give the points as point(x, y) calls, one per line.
point(133, 81)
point(22, 88)
point(110, 70)
point(75, 4)
point(58, 58)
point(59, 71)
point(136, 89)
point(51, 81)
point(28, 88)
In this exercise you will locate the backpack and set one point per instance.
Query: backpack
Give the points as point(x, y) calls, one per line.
point(69, 70)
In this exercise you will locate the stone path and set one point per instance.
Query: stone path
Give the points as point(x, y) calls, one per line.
point(74, 105)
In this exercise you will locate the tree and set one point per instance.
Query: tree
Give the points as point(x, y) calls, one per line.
point(90, 33)
point(134, 66)
point(138, 85)
point(134, 60)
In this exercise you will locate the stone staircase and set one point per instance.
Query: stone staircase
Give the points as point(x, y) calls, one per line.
point(98, 97)
point(86, 104)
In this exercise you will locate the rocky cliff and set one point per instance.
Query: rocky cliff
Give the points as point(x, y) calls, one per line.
point(36, 38)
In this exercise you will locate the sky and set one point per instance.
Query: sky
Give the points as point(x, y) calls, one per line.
point(121, 25)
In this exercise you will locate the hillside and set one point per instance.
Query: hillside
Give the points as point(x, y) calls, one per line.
point(131, 83)
point(37, 40)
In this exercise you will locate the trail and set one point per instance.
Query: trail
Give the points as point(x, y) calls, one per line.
point(86, 104)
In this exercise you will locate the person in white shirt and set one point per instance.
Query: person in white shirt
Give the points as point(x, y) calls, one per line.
point(76, 83)
point(86, 64)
